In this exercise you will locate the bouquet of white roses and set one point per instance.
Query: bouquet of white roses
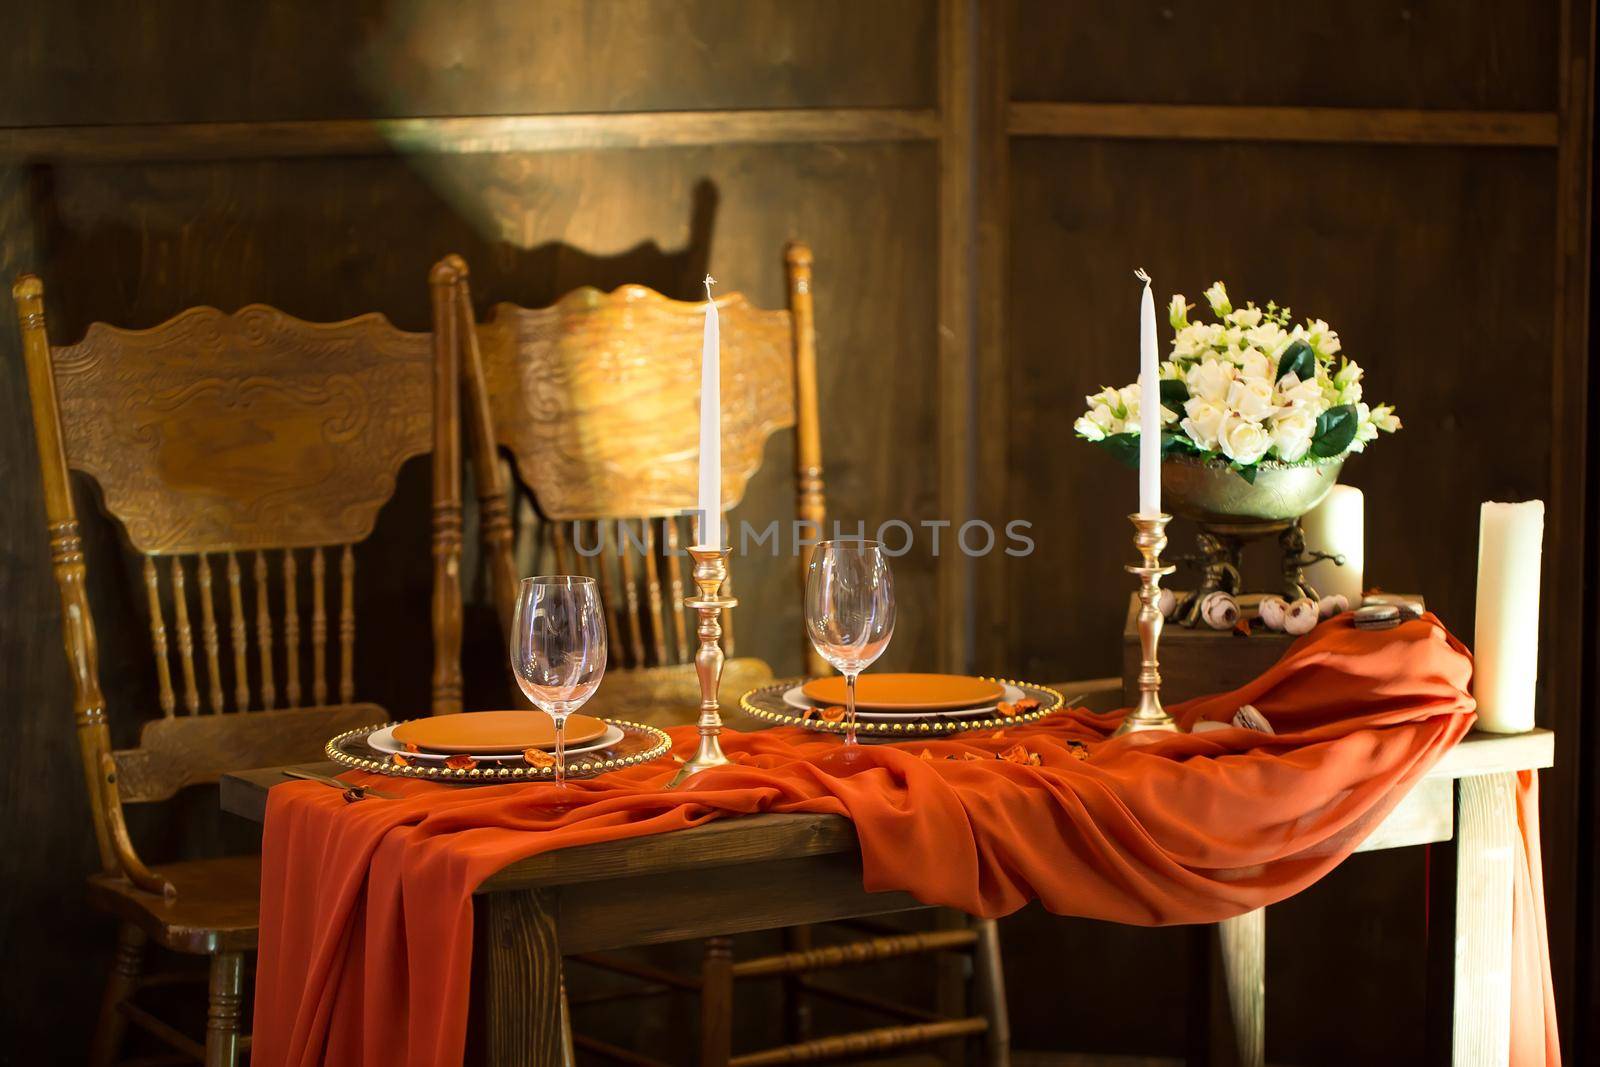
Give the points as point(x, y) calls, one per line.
point(1245, 389)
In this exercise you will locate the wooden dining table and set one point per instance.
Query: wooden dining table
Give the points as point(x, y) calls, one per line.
point(762, 872)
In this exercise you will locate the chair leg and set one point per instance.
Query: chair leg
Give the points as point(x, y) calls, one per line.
point(796, 1006)
point(222, 1015)
point(991, 982)
point(125, 967)
point(716, 1003)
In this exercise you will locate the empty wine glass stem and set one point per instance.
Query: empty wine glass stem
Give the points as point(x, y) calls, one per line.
point(561, 749)
point(850, 707)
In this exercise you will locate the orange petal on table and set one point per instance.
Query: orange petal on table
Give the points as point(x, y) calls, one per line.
point(538, 757)
point(1017, 753)
point(1025, 705)
point(1242, 627)
point(997, 735)
point(1006, 709)
point(399, 761)
point(966, 756)
point(925, 754)
point(808, 713)
point(832, 713)
point(411, 746)
point(1078, 749)
point(460, 762)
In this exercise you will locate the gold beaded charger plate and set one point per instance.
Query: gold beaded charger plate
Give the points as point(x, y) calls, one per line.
point(796, 698)
point(638, 744)
point(385, 740)
point(768, 704)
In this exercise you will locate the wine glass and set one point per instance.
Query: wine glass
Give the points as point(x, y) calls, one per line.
point(558, 648)
point(849, 611)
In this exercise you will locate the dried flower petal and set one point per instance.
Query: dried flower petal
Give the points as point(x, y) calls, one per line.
point(1242, 627)
point(967, 756)
point(538, 757)
point(460, 762)
point(925, 754)
point(398, 760)
point(1006, 708)
point(1019, 753)
point(808, 713)
point(997, 735)
point(412, 746)
point(1078, 749)
point(1025, 705)
point(832, 713)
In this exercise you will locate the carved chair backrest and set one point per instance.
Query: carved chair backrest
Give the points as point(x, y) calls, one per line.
point(238, 452)
point(596, 400)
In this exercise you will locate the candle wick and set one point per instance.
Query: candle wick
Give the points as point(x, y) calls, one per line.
point(710, 281)
point(1142, 276)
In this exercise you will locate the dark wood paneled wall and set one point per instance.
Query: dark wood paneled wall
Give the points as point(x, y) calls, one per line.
point(977, 179)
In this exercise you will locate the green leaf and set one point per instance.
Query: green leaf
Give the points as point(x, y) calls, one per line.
point(1247, 473)
point(1336, 428)
point(1124, 446)
point(1177, 443)
point(1173, 394)
point(1299, 359)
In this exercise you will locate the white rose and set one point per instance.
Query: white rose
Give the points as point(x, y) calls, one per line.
point(1269, 337)
point(1107, 398)
point(1246, 316)
point(1129, 395)
point(1365, 430)
point(1089, 429)
point(1251, 398)
point(1297, 393)
point(1241, 439)
point(1291, 434)
point(1210, 380)
point(1255, 364)
point(1323, 341)
point(1105, 418)
point(1217, 297)
point(1203, 423)
point(1178, 312)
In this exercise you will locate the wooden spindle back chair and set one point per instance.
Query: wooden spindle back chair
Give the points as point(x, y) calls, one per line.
point(238, 452)
point(596, 401)
point(596, 398)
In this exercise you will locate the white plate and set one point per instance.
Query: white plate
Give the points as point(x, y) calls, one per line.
point(800, 702)
point(383, 740)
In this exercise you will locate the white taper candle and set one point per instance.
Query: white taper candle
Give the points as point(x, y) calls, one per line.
point(1506, 644)
point(1149, 405)
point(710, 503)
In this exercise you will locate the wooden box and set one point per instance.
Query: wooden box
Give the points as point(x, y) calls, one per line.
point(1201, 661)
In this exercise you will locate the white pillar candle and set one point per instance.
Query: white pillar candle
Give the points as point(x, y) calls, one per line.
point(1149, 406)
point(710, 502)
point(1506, 645)
point(1338, 525)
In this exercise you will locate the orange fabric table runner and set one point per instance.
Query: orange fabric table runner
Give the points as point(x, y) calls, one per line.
point(366, 909)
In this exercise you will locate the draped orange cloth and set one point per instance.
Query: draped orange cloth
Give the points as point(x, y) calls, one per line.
point(366, 912)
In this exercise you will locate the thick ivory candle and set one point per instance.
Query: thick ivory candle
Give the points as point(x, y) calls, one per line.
point(1149, 406)
point(1338, 525)
point(710, 502)
point(1506, 645)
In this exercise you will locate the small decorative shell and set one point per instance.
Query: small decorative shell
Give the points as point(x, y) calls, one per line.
point(1301, 616)
point(1329, 606)
point(1168, 603)
point(1272, 610)
point(1219, 610)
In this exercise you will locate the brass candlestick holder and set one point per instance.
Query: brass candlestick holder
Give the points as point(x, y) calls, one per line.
point(710, 571)
point(1150, 539)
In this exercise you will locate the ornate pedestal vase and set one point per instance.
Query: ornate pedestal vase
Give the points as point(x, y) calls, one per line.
point(1232, 513)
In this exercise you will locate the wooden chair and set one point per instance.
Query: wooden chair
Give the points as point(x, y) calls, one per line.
point(596, 400)
point(234, 450)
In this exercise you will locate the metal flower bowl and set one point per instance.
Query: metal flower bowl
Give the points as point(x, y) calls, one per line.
point(1208, 491)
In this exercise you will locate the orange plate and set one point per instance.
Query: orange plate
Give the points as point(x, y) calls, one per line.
point(907, 692)
point(491, 732)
